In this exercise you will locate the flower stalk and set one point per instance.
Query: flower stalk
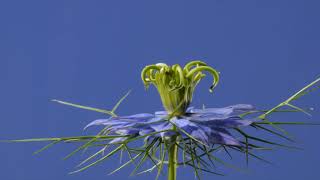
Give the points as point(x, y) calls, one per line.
point(173, 160)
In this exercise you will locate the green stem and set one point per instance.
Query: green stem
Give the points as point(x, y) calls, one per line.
point(173, 158)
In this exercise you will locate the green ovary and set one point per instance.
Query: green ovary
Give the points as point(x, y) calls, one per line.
point(176, 85)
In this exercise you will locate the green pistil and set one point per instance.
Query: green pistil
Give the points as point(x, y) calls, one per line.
point(176, 85)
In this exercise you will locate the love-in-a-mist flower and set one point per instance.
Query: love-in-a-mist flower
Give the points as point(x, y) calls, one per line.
point(179, 122)
point(181, 135)
point(176, 86)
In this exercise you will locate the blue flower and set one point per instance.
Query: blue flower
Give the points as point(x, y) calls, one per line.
point(180, 130)
point(208, 126)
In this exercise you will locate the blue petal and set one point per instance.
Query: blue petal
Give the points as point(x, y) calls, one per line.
point(193, 129)
point(161, 113)
point(222, 136)
point(233, 110)
point(181, 122)
point(200, 134)
point(123, 120)
point(227, 117)
point(184, 124)
point(97, 123)
point(206, 134)
point(145, 131)
point(162, 126)
point(139, 117)
point(225, 123)
point(218, 137)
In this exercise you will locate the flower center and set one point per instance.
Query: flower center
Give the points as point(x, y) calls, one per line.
point(175, 84)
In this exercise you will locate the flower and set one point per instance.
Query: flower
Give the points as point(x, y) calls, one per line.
point(209, 126)
point(180, 135)
point(176, 86)
point(179, 124)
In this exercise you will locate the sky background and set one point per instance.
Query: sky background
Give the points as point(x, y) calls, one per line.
point(92, 52)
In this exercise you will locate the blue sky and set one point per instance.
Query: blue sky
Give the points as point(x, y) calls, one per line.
point(92, 52)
